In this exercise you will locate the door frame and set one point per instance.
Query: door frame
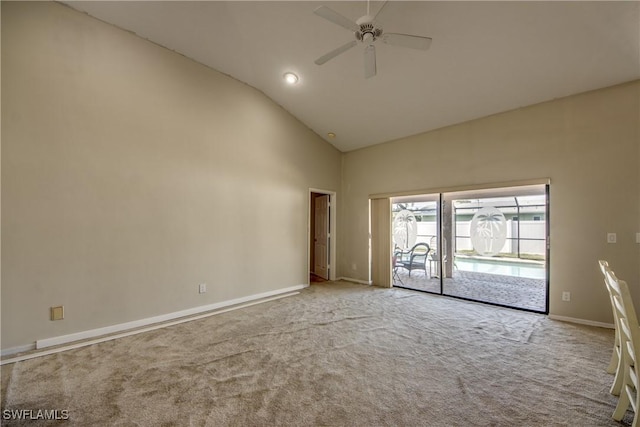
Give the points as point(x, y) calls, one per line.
point(333, 210)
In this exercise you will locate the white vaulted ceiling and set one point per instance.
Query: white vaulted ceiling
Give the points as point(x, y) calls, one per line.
point(485, 58)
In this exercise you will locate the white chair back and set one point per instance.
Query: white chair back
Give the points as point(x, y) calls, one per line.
point(615, 365)
point(630, 343)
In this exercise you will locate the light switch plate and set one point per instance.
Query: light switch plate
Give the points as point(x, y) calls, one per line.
point(612, 237)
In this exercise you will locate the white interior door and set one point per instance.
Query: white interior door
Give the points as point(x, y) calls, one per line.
point(321, 237)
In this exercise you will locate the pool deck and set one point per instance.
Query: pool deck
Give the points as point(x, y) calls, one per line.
point(512, 291)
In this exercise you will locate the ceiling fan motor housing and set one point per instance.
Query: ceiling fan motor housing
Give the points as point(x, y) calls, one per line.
point(369, 29)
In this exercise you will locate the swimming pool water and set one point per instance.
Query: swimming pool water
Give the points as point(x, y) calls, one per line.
point(503, 268)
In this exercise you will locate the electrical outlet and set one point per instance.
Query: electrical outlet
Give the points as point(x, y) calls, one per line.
point(611, 237)
point(57, 313)
point(202, 288)
point(566, 296)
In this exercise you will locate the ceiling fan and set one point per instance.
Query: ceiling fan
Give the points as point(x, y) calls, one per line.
point(367, 31)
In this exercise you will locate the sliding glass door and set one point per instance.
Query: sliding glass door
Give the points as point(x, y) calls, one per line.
point(416, 233)
point(485, 245)
point(498, 244)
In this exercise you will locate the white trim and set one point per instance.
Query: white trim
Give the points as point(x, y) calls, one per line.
point(473, 187)
point(582, 321)
point(333, 215)
point(145, 325)
point(48, 342)
point(349, 279)
point(20, 349)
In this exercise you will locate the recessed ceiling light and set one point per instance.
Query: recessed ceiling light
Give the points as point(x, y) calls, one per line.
point(290, 78)
point(331, 135)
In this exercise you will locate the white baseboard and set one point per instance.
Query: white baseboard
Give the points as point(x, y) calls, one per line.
point(48, 342)
point(20, 349)
point(349, 279)
point(144, 325)
point(582, 321)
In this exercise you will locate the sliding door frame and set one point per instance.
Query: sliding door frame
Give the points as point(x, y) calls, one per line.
point(381, 250)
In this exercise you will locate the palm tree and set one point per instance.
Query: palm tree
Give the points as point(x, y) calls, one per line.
point(488, 227)
point(402, 223)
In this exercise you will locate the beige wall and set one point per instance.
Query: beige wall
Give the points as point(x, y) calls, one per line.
point(131, 174)
point(589, 147)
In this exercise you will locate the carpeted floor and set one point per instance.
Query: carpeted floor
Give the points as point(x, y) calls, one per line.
point(336, 354)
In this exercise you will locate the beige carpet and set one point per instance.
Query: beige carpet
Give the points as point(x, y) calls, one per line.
point(336, 354)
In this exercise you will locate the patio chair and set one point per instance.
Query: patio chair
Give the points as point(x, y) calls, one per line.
point(630, 339)
point(396, 262)
point(615, 365)
point(434, 257)
point(415, 258)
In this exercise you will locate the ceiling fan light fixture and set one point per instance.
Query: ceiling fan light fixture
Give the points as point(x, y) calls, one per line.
point(290, 78)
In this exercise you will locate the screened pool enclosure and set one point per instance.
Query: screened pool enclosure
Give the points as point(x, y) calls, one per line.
point(483, 245)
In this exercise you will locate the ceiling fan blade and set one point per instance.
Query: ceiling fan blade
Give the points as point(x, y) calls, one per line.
point(380, 10)
point(335, 52)
point(406, 40)
point(369, 61)
point(336, 18)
